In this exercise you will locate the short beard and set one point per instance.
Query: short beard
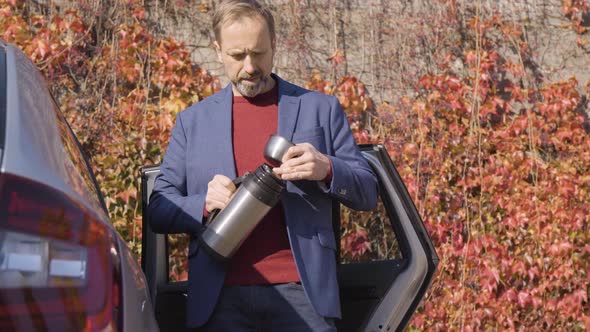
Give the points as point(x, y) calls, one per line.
point(248, 90)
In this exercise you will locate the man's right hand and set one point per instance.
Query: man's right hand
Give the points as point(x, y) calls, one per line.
point(219, 192)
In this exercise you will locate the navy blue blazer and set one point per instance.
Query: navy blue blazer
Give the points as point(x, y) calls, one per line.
point(201, 147)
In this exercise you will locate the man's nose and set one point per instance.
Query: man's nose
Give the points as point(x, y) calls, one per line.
point(249, 65)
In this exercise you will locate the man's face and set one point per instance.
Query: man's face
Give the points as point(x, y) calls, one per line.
point(246, 51)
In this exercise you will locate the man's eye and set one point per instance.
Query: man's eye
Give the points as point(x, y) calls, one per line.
point(239, 56)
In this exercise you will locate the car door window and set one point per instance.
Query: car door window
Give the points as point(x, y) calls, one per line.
point(177, 254)
point(81, 176)
point(367, 236)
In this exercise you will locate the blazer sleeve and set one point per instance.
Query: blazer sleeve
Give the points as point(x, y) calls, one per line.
point(353, 183)
point(171, 209)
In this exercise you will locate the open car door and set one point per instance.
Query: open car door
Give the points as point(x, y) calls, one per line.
point(386, 259)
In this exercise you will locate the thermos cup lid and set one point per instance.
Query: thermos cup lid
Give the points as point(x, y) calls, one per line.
point(275, 149)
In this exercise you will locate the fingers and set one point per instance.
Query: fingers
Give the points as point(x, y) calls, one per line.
point(295, 162)
point(219, 192)
point(224, 181)
point(294, 173)
point(303, 162)
point(298, 155)
point(295, 152)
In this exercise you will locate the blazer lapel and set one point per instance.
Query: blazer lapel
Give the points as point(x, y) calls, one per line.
point(288, 108)
point(222, 132)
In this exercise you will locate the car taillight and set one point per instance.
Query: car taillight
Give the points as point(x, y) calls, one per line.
point(58, 263)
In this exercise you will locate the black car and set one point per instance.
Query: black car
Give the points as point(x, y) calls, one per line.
point(378, 294)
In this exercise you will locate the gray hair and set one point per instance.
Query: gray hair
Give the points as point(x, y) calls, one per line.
point(229, 11)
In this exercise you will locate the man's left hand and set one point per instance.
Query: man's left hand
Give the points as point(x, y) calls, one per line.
point(303, 162)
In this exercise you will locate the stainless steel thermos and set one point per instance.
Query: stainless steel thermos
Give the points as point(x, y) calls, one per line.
point(256, 194)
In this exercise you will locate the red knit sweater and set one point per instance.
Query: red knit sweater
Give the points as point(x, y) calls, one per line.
point(265, 257)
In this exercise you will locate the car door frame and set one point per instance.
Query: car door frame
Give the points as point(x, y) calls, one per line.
point(420, 260)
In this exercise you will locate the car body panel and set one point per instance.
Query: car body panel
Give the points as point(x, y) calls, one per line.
point(375, 296)
point(138, 313)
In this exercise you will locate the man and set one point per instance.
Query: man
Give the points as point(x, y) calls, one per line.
point(283, 278)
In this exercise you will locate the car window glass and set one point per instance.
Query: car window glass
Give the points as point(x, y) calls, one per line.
point(367, 236)
point(77, 163)
point(35, 99)
point(177, 257)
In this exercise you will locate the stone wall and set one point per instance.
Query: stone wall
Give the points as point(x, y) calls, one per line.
point(387, 44)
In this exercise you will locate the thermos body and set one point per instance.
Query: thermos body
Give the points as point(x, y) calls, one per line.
point(233, 224)
point(255, 196)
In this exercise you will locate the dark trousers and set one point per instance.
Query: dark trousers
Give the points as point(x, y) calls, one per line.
point(281, 307)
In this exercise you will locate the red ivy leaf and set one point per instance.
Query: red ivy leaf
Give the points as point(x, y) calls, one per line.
point(337, 58)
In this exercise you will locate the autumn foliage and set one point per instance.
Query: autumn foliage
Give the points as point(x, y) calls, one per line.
point(496, 158)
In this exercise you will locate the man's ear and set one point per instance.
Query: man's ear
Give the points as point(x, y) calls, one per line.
point(217, 50)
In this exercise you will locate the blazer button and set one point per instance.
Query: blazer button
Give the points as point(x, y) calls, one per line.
point(342, 191)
